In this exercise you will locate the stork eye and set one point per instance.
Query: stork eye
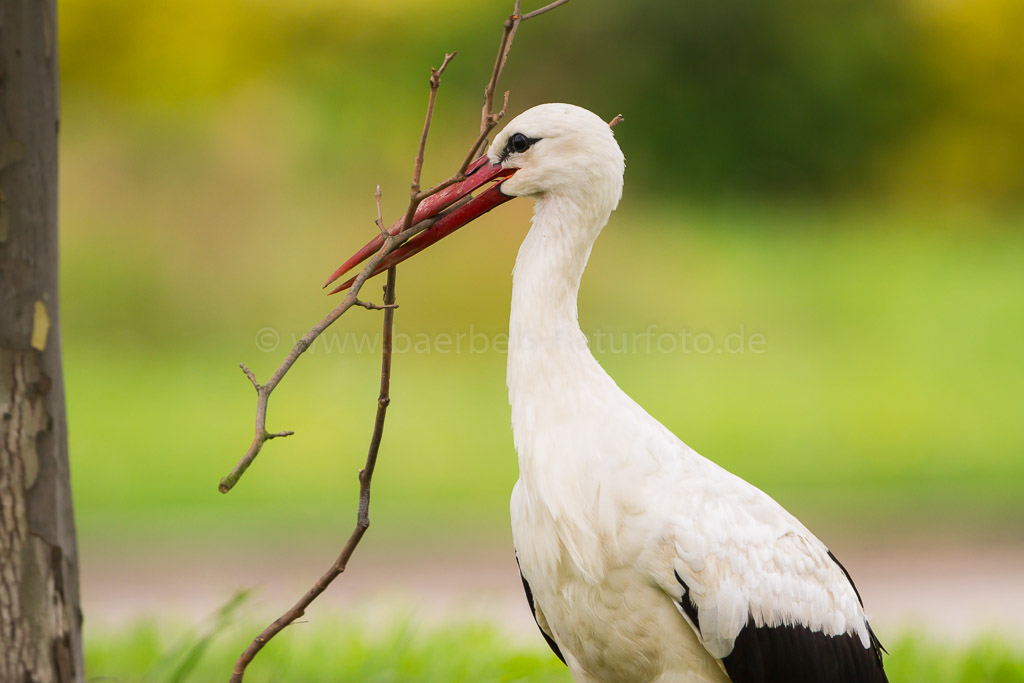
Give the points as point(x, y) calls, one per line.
point(519, 143)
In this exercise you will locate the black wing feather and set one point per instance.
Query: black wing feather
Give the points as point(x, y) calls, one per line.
point(796, 654)
point(533, 609)
point(686, 602)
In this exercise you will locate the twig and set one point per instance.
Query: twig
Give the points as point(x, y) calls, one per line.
point(249, 373)
point(435, 83)
point(363, 514)
point(380, 219)
point(488, 119)
point(415, 196)
point(393, 238)
point(263, 391)
point(370, 306)
point(351, 299)
point(542, 10)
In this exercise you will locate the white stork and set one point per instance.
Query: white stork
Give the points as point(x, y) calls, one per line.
point(641, 559)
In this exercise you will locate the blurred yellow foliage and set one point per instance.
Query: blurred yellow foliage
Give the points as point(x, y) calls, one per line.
point(954, 129)
point(972, 142)
point(176, 51)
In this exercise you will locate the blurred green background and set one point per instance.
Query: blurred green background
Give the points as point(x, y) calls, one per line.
point(843, 181)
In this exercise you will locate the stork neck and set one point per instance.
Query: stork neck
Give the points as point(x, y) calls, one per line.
point(549, 267)
point(544, 332)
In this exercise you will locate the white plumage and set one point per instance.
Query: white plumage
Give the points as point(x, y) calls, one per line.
point(645, 560)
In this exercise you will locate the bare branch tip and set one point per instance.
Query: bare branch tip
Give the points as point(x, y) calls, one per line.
point(370, 306)
point(500, 114)
point(380, 220)
point(448, 57)
point(543, 10)
point(249, 373)
point(435, 74)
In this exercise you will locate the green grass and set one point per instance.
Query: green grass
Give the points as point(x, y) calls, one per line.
point(986, 660)
point(324, 651)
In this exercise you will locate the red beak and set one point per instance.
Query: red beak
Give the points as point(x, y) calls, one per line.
point(478, 174)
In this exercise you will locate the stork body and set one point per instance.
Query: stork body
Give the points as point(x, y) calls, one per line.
point(642, 560)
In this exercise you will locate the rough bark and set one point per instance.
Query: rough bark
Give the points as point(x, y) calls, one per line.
point(40, 617)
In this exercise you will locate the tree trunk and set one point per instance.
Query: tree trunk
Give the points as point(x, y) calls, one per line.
point(40, 617)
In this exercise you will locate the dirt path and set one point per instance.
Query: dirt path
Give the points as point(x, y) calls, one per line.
point(953, 589)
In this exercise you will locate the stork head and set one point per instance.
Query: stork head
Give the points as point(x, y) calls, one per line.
point(552, 151)
point(560, 150)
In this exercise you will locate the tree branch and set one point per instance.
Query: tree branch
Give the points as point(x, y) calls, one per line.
point(392, 238)
point(488, 119)
point(542, 10)
point(363, 515)
point(415, 196)
point(263, 391)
